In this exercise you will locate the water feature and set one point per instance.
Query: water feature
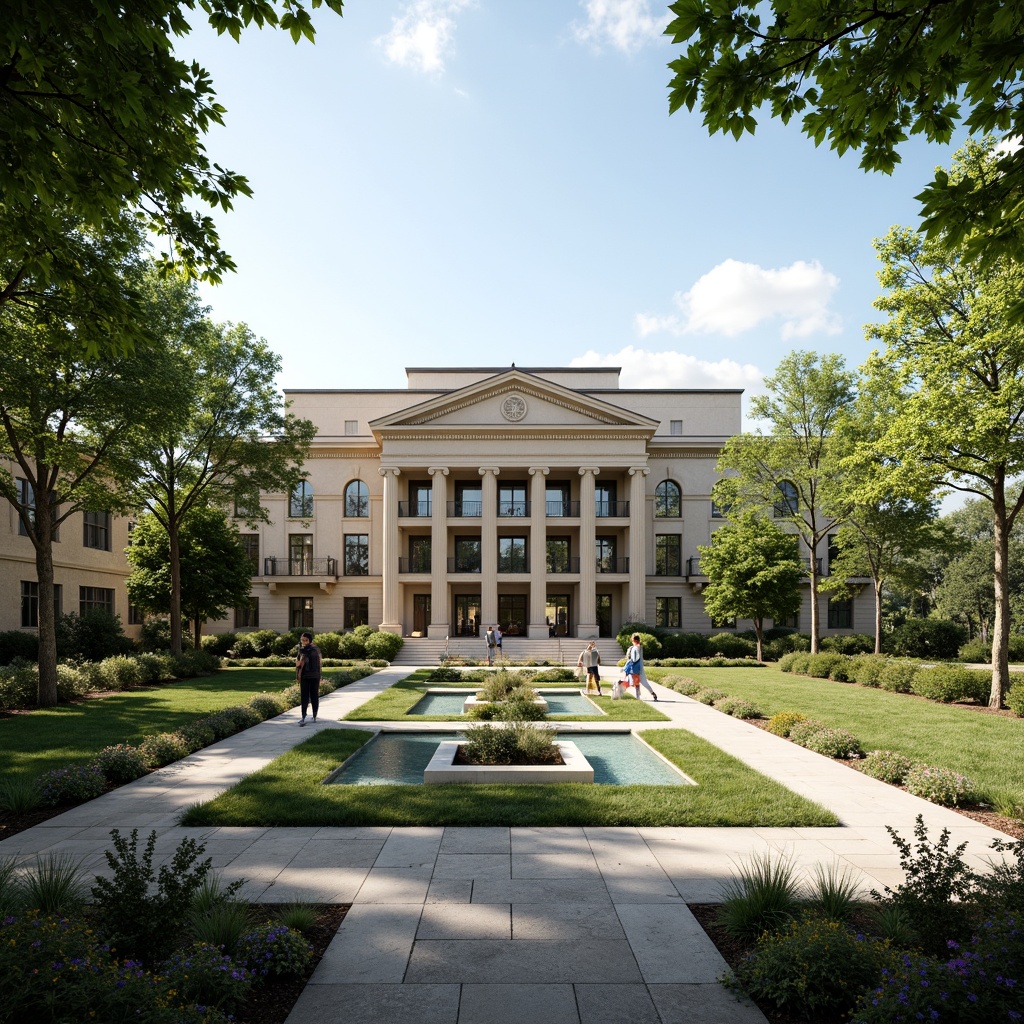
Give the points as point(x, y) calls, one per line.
point(560, 702)
point(619, 759)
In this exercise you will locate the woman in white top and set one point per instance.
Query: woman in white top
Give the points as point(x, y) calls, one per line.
point(636, 655)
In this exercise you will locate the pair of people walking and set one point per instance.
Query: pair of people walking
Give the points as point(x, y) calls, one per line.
point(634, 668)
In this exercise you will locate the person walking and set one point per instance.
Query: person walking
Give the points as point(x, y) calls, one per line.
point(308, 669)
point(590, 659)
point(636, 656)
point(497, 641)
point(491, 642)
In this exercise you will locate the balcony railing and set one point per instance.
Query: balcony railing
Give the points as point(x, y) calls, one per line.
point(465, 509)
point(285, 566)
point(513, 508)
point(513, 565)
point(414, 509)
point(668, 568)
point(562, 509)
point(613, 565)
point(611, 509)
point(564, 565)
point(414, 565)
point(693, 566)
point(463, 564)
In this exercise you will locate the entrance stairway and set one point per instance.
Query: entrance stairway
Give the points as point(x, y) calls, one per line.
point(559, 650)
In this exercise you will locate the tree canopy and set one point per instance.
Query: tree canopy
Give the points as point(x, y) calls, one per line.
point(866, 76)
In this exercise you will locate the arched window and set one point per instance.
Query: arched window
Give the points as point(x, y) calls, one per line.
point(668, 502)
point(301, 504)
point(357, 500)
point(787, 503)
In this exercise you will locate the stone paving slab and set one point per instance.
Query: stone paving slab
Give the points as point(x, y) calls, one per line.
point(524, 1003)
point(377, 1004)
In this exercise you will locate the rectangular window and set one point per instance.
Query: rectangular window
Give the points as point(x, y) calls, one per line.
point(58, 600)
point(790, 622)
point(676, 428)
point(251, 545)
point(29, 604)
point(469, 500)
point(666, 612)
point(604, 501)
point(96, 530)
point(840, 613)
point(467, 554)
point(419, 554)
point(351, 427)
point(833, 550)
point(512, 554)
point(556, 501)
point(95, 598)
point(667, 557)
point(558, 554)
point(136, 616)
point(300, 554)
point(27, 504)
point(300, 504)
point(718, 511)
point(421, 499)
point(247, 616)
point(357, 554)
point(512, 500)
point(300, 613)
point(604, 550)
point(357, 612)
point(787, 500)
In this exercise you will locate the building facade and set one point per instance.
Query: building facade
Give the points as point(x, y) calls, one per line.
point(550, 501)
point(89, 565)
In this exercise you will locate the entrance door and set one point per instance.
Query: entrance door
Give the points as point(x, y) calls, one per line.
point(467, 615)
point(420, 613)
point(557, 612)
point(512, 614)
point(604, 615)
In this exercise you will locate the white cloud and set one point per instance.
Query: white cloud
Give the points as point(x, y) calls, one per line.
point(644, 369)
point(736, 297)
point(626, 25)
point(422, 37)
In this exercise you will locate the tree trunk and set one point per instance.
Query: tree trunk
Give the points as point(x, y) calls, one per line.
point(759, 632)
point(43, 541)
point(1001, 625)
point(878, 616)
point(815, 626)
point(197, 632)
point(175, 560)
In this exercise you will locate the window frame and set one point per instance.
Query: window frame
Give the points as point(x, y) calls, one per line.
point(663, 606)
point(663, 500)
point(301, 497)
point(357, 507)
point(663, 543)
point(96, 530)
point(356, 553)
point(300, 615)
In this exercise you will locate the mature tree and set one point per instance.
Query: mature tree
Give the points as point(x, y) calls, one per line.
point(70, 429)
point(793, 472)
point(866, 76)
point(99, 115)
point(754, 572)
point(966, 593)
point(959, 358)
point(216, 572)
point(230, 435)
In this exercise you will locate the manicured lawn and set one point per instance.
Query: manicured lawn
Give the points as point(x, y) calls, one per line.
point(395, 702)
point(37, 741)
point(989, 749)
point(290, 791)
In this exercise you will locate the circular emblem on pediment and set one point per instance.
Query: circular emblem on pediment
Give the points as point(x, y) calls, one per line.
point(514, 408)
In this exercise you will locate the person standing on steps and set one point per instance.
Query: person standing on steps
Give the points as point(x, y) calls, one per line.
point(636, 655)
point(590, 659)
point(308, 669)
point(491, 642)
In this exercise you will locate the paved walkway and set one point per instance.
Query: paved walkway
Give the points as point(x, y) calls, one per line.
point(502, 925)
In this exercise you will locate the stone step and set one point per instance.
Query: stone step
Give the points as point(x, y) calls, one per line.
point(554, 651)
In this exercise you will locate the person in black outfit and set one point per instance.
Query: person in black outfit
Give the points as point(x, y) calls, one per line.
point(307, 675)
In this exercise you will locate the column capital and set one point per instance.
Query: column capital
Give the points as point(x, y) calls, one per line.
point(432, 470)
point(642, 470)
point(584, 470)
point(534, 470)
point(386, 470)
point(484, 470)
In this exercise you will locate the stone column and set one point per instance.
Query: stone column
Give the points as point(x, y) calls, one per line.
point(538, 628)
point(638, 544)
point(389, 573)
point(586, 612)
point(489, 548)
point(439, 602)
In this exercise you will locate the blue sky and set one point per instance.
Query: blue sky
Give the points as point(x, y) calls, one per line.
point(481, 182)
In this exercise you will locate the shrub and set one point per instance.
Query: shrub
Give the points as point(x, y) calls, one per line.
point(555, 675)
point(785, 641)
point(798, 664)
point(218, 644)
point(782, 723)
point(353, 645)
point(898, 676)
point(196, 735)
point(825, 740)
point(216, 920)
point(787, 660)
point(329, 644)
point(19, 686)
point(18, 795)
point(267, 705)
point(121, 672)
point(887, 765)
point(71, 785)
point(730, 646)
point(738, 708)
point(820, 665)
point(627, 629)
point(120, 763)
point(72, 682)
point(205, 975)
point(445, 675)
point(842, 670)
point(286, 643)
point(383, 645)
point(91, 637)
point(16, 644)
point(1015, 698)
point(163, 748)
point(243, 716)
point(950, 683)
point(940, 785)
point(815, 967)
point(981, 650)
point(192, 663)
point(867, 669)
point(709, 695)
point(681, 684)
point(157, 667)
point(762, 897)
point(155, 636)
point(518, 743)
point(257, 644)
point(272, 950)
point(684, 645)
point(835, 891)
point(934, 639)
point(55, 884)
point(849, 644)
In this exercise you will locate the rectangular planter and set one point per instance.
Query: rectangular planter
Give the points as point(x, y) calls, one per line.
point(576, 768)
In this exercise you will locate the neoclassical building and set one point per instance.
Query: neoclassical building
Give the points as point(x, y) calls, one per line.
point(551, 501)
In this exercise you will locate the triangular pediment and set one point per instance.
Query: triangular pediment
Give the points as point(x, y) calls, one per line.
point(513, 398)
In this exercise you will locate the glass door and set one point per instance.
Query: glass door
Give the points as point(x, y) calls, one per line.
point(604, 615)
point(512, 614)
point(557, 612)
point(420, 613)
point(467, 615)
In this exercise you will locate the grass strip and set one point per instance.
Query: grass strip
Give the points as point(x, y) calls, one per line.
point(37, 741)
point(987, 748)
point(395, 703)
point(290, 792)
